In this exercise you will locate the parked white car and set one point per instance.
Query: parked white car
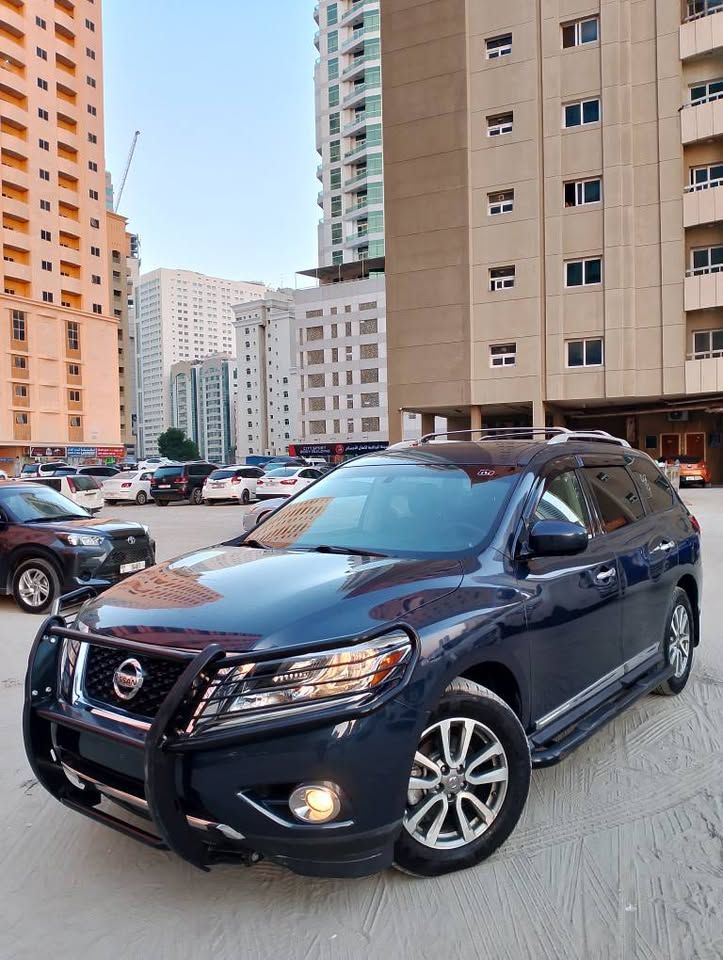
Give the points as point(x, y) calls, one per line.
point(237, 484)
point(83, 490)
point(253, 517)
point(286, 481)
point(129, 487)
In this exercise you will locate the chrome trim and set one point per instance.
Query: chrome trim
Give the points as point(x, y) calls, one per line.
point(598, 685)
point(285, 823)
point(112, 793)
point(120, 718)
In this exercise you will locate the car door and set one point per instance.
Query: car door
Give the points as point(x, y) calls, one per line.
point(635, 539)
point(573, 607)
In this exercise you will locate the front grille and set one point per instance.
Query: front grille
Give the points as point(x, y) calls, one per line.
point(159, 677)
point(124, 553)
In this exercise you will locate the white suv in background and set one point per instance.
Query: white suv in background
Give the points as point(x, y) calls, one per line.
point(237, 484)
point(83, 490)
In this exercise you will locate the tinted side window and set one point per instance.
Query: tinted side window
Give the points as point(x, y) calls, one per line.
point(196, 470)
point(616, 496)
point(563, 499)
point(655, 489)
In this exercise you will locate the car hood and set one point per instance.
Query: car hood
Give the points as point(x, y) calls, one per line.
point(114, 529)
point(244, 598)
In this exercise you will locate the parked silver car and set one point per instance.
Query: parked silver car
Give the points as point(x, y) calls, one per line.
point(253, 517)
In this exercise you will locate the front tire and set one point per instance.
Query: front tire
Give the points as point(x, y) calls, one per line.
point(469, 783)
point(679, 639)
point(35, 585)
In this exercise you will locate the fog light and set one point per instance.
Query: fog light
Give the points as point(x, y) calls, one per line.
point(315, 802)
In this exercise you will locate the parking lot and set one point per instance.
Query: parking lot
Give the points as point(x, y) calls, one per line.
point(619, 853)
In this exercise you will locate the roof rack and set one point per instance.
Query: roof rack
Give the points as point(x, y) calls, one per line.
point(554, 435)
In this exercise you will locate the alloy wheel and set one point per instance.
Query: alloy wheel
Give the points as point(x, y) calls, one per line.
point(458, 784)
point(679, 641)
point(34, 587)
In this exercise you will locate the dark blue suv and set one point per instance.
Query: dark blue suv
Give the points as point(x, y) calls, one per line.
point(368, 677)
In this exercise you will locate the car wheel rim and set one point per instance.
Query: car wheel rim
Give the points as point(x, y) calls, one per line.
point(679, 642)
point(458, 784)
point(34, 588)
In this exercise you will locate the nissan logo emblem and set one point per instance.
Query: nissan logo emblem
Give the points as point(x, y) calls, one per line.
point(128, 679)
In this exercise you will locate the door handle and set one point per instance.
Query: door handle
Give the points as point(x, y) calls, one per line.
point(664, 547)
point(606, 576)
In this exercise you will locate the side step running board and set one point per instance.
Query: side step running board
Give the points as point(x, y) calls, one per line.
point(546, 751)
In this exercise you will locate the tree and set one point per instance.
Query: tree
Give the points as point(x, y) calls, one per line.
point(175, 445)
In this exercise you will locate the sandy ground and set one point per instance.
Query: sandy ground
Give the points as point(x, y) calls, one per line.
point(619, 853)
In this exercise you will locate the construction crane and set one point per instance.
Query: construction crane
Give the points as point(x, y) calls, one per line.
point(127, 168)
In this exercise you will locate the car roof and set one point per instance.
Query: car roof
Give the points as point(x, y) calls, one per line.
point(507, 450)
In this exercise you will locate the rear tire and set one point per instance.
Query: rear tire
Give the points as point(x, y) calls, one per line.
point(196, 497)
point(36, 584)
point(111, 503)
point(141, 498)
point(162, 503)
point(468, 786)
point(679, 639)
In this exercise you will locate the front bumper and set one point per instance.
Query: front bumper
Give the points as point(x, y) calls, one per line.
point(100, 567)
point(216, 798)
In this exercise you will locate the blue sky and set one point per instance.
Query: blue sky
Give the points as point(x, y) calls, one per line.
point(224, 176)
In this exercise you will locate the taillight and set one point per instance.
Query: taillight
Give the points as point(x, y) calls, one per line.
point(259, 483)
point(235, 479)
point(71, 485)
point(694, 523)
point(126, 486)
point(180, 480)
point(288, 483)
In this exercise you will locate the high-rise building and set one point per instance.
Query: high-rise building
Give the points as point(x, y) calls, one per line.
point(180, 315)
point(554, 228)
point(267, 400)
point(349, 130)
point(203, 405)
point(58, 336)
point(123, 269)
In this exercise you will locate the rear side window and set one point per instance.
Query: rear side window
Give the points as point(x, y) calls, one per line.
point(52, 482)
point(252, 473)
point(654, 488)
point(616, 496)
point(83, 481)
point(563, 499)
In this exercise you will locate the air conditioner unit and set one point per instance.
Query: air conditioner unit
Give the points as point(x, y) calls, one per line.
point(675, 416)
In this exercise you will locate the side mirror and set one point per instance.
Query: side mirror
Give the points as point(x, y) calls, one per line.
point(557, 538)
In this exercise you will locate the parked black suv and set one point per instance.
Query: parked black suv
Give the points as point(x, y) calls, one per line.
point(50, 546)
point(180, 481)
point(369, 676)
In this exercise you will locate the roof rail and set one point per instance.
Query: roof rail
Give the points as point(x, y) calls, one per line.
point(602, 436)
point(494, 433)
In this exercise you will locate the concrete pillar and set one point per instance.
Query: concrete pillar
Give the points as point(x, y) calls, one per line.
point(475, 418)
point(558, 418)
point(538, 413)
point(427, 423)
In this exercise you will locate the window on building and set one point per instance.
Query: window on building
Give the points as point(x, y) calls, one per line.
point(350, 352)
point(370, 424)
point(92, 138)
point(20, 390)
point(43, 114)
point(90, 81)
point(708, 90)
point(95, 223)
point(499, 124)
point(73, 370)
point(349, 377)
point(74, 422)
point(89, 24)
point(584, 353)
point(502, 278)
point(92, 110)
point(20, 363)
point(90, 53)
point(580, 192)
point(497, 47)
point(579, 32)
point(21, 419)
point(95, 251)
point(317, 427)
point(334, 95)
point(72, 335)
point(350, 425)
point(367, 327)
point(92, 165)
point(44, 174)
point(334, 124)
point(333, 68)
point(45, 205)
point(336, 233)
point(370, 400)
point(332, 14)
point(43, 84)
point(47, 296)
point(707, 344)
point(74, 396)
point(335, 179)
point(19, 326)
point(39, 22)
point(706, 260)
point(503, 202)
point(95, 278)
point(46, 265)
point(710, 175)
point(337, 257)
point(583, 273)
point(46, 235)
point(43, 144)
point(581, 112)
point(43, 54)
point(503, 355)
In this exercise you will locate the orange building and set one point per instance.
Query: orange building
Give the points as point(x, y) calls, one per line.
point(59, 381)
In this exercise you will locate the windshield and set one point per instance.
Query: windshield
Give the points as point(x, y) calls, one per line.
point(166, 472)
point(411, 509)
point(40, 503)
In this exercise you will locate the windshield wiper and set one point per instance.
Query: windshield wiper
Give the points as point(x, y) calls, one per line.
point(354, 551)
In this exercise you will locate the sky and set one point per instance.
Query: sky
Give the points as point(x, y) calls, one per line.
point(223, 180)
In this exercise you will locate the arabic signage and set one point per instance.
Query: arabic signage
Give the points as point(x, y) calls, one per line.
point(104, 453)
point(47, 451)
point(82, 452)
point(336, 450)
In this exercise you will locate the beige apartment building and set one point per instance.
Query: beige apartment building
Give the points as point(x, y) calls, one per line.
point(58, 336)
point(554, 216)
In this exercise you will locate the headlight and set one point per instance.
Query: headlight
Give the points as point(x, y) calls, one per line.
point(299, 684)
point(82, 539)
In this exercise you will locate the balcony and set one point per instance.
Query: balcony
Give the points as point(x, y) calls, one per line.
point(363, 236)
point(360, 121)
point(67, 140)
point(12, 85)
point(319, 171)
point(356, 67)
point(355, 9)
point(702, 120)
point(72, 285)
point(317, 40)
point(360, 150)
point(16, 271)
point(357, 38)
point(702, 30)
point(21, 431)
point(359, 92)
point(14, 145)
point(13, 112)
point(68, 196)
point(704, 372)
point(12, 21)
point(316, 13)
point(64, 20)
point(320, 198)
point(703, 288)
point(361, 178)
point(17, 209)
point(15, 177)
point(703, 203)
point(14, 240)
point(362, 208)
